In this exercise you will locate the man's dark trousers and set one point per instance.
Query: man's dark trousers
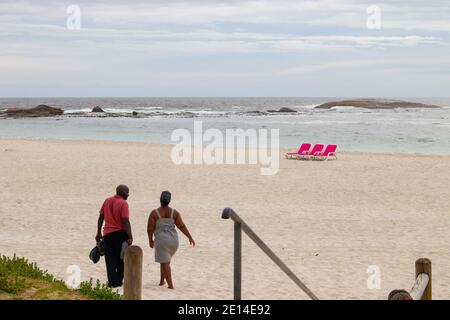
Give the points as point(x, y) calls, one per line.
point(114, 265)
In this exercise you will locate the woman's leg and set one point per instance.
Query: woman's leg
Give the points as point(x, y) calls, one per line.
point(161, 281)
point(167, 274)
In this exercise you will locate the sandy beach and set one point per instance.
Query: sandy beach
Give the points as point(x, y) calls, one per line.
point(329, 221)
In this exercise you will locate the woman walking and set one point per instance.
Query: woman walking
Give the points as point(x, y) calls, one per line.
point(161, 224)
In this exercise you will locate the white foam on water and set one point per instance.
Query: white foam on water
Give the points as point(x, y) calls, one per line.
point(347, 109)
point(116, 110)
point(308, 106)
point(154, 110)
point(85, 110)
point(208, 112)
point(196, 112)
point(148, 109)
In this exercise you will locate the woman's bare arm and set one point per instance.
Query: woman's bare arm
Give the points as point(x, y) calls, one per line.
point(180, 225)
point(151, 228)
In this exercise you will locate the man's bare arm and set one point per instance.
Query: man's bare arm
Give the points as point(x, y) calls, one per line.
point(99, 227)
point(127, 227)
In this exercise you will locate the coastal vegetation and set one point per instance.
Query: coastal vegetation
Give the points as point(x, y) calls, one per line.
point(24, 280)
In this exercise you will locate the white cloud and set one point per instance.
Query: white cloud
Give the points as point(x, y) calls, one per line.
point(406, 15)
point(175, 27)
point(138, 42)
point(418, 15)
point(191, 42)
point(385, 64)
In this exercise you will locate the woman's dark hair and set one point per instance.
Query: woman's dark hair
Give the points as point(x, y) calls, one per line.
point(165, 198)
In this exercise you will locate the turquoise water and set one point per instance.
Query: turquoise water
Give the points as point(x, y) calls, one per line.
point(424, 131)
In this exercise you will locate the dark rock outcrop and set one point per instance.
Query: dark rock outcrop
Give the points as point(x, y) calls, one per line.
point(284, 110)
point(254, 113)
point(97, 109)
point(36, 112)
point(374, 104)
point(135, 113)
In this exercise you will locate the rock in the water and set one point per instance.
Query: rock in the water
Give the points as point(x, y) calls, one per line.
point(284, 110)
point(39, 111)
point(135, 113)
point(374, 104)
point(255, 112)
point(97, 109)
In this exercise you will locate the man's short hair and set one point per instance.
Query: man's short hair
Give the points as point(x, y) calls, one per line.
point(121, 189)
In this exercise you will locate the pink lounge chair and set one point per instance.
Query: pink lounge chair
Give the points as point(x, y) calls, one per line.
point(316, 150)
point(330, 151)
point(304, 149)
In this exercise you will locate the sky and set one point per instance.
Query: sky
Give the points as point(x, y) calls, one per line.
point(192, 48)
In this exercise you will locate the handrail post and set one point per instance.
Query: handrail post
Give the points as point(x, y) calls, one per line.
point(424, 266)
point(237, 261)
point(132, 285)
point(422, 289)
point(239, 226)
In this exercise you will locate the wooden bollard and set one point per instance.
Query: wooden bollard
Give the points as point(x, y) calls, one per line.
point(132, 285)
point(399, 294)
point(424, 266)
point(237, 261)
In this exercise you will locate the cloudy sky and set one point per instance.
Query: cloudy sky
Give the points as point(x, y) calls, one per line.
point(225, 48)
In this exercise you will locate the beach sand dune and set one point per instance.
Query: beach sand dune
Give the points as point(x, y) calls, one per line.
point(329, 221)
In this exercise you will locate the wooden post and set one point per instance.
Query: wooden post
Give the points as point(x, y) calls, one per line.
point(132, 286)
point(399, 294)
point(424, 266)
point(239, 226)
point(237, 261)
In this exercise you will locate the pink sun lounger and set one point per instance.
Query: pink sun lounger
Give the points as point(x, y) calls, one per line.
point(316, 150)
point(303, 150)
point(329, 152)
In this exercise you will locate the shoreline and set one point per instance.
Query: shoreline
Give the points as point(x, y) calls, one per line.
point(282, 150)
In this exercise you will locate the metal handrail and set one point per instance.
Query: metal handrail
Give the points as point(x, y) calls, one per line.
point(240, 225)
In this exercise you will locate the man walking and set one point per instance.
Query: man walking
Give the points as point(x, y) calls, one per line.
point(117, 230)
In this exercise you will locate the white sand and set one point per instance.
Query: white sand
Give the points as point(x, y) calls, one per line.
point(327, 220)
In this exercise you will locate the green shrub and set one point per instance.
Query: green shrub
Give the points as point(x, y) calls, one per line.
point(99, 291)
point(12, 285)
point(14, 272)
point(21, 267)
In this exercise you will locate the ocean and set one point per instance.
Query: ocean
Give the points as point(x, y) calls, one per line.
point(424, 131)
